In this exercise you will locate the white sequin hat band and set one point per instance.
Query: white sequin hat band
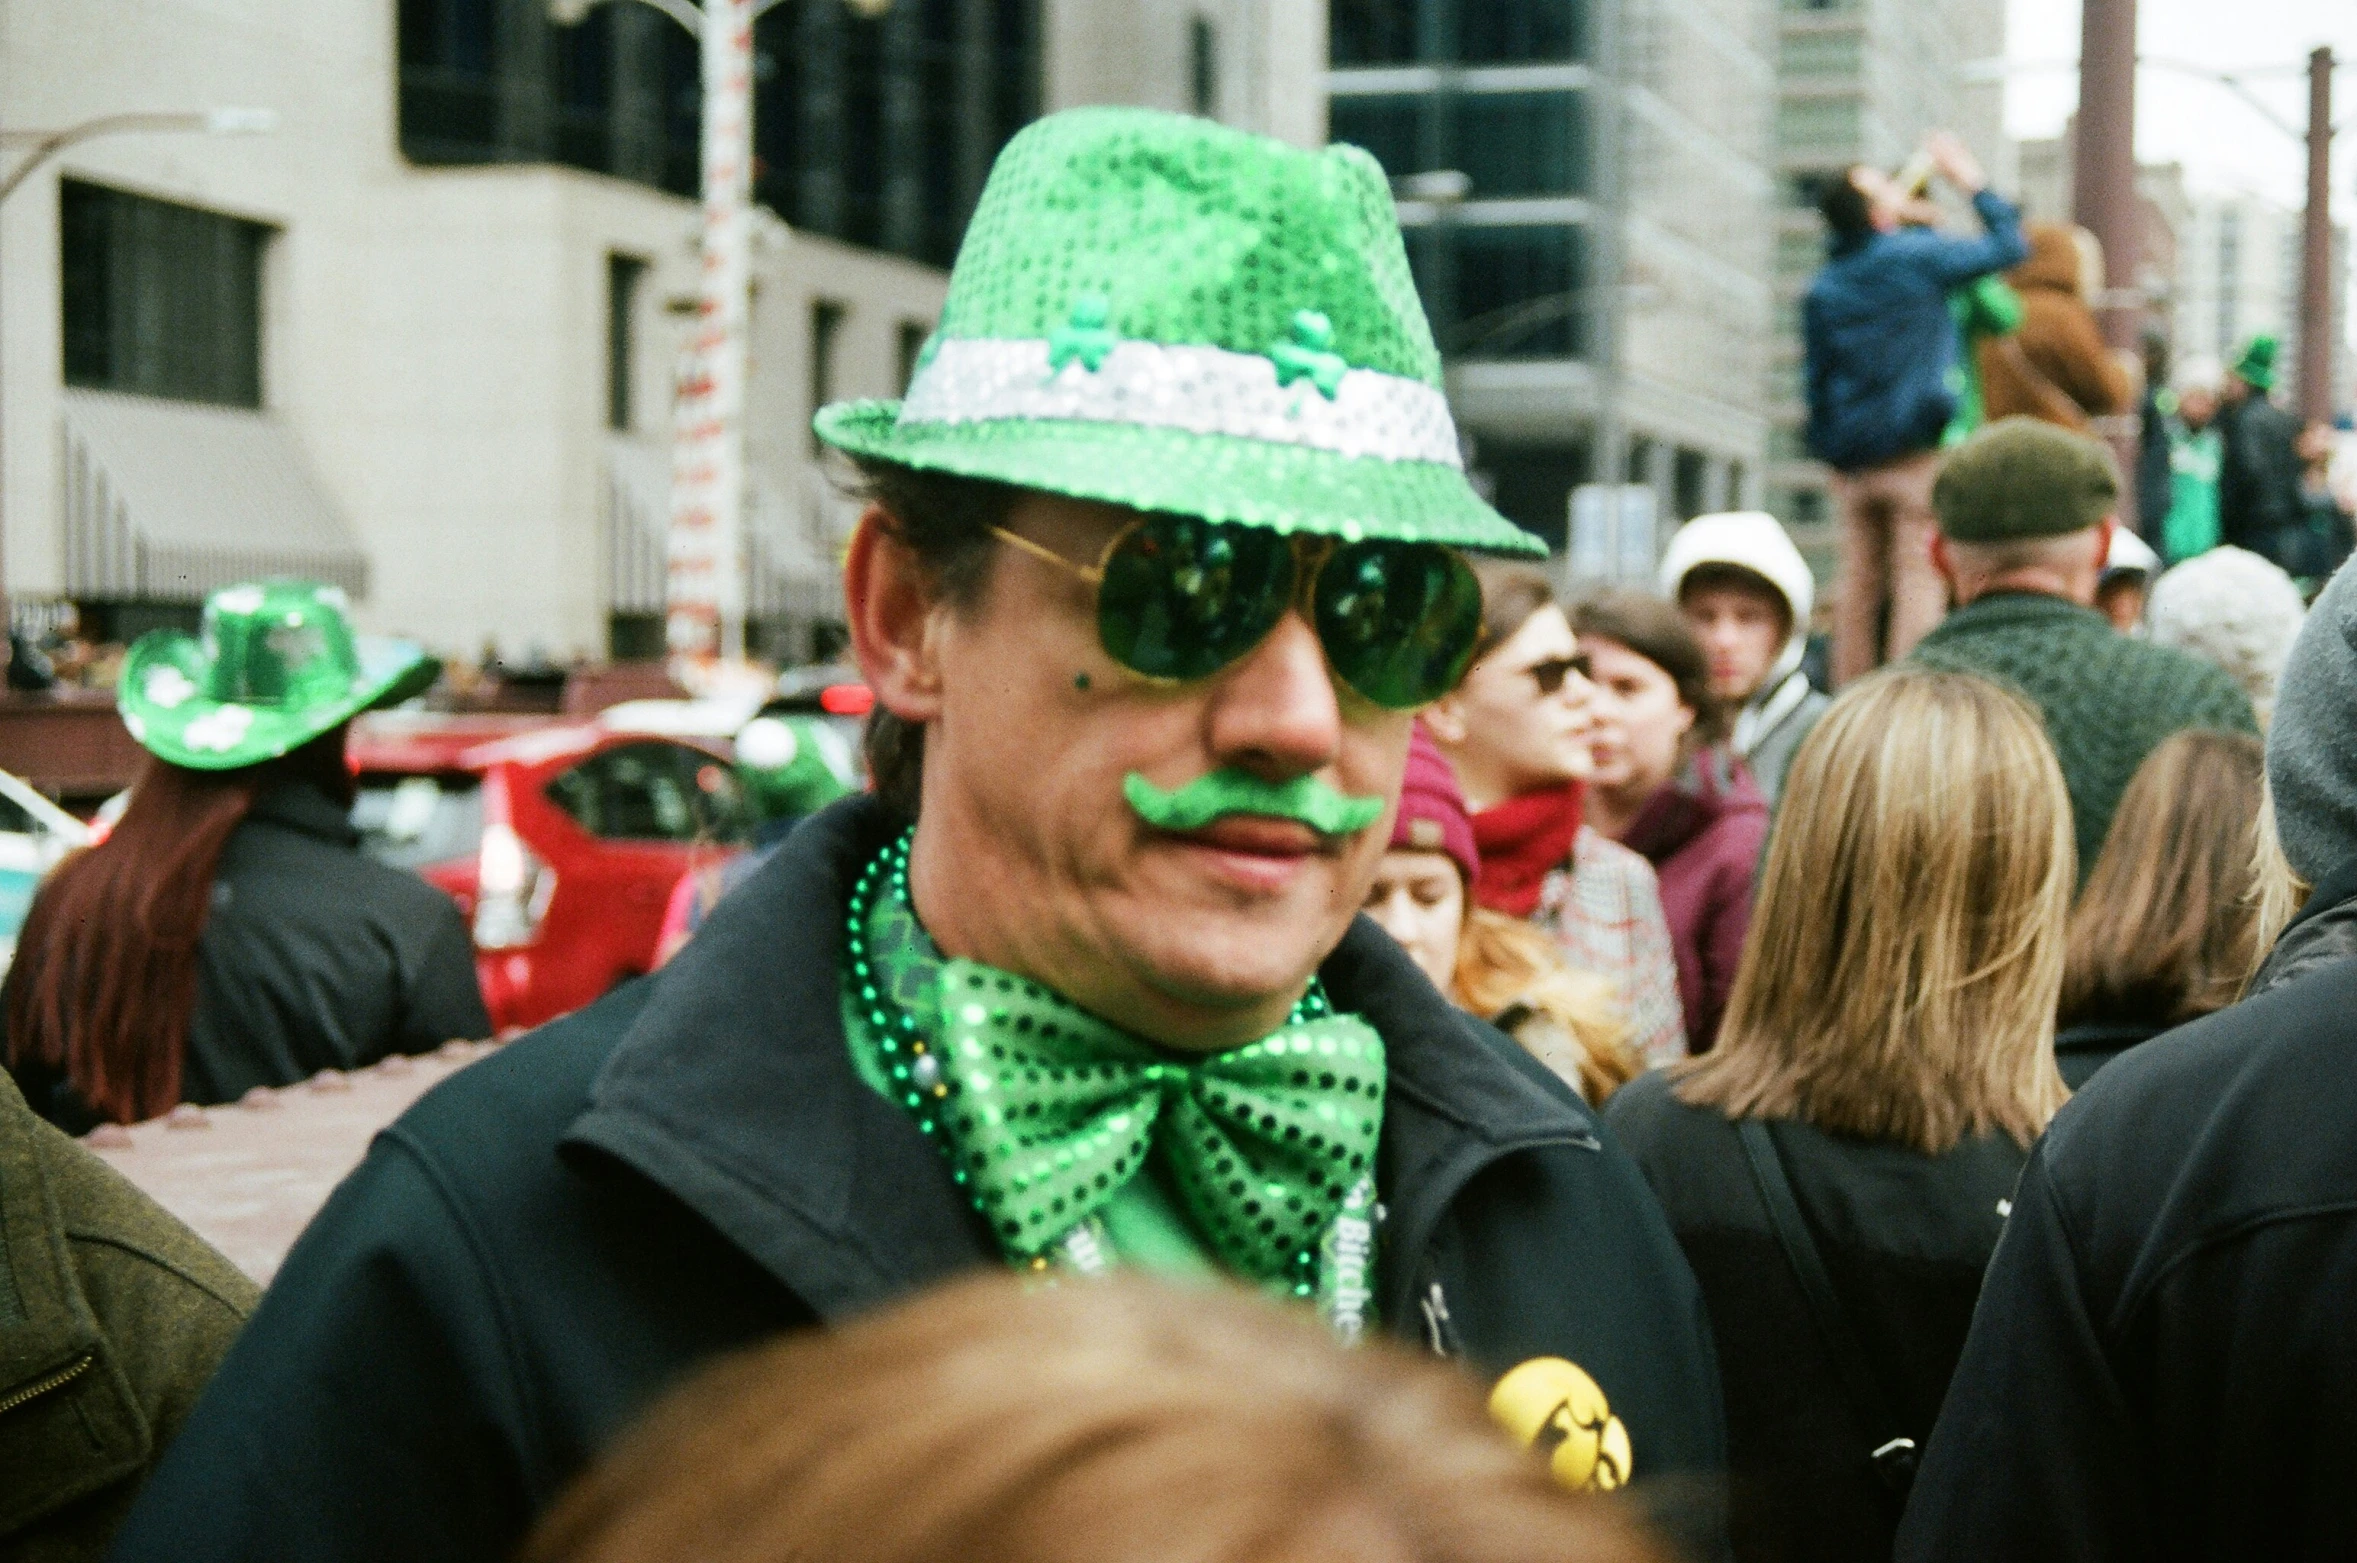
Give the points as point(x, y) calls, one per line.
point(1186, 387)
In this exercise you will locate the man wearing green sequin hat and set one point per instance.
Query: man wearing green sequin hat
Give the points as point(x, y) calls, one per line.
point(1164, 550)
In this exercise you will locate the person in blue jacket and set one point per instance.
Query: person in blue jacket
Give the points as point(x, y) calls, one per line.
point(1884, 374)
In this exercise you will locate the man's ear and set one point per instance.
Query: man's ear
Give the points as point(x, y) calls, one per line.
point(895, 620)
point(1944, 560)
point(2103, 536)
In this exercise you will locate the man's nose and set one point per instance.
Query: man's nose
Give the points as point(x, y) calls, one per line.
point(1276, 712)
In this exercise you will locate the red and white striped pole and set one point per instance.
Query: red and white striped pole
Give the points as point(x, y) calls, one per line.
point(706, 548)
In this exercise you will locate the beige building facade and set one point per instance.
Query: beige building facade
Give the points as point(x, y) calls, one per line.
point(421, 338)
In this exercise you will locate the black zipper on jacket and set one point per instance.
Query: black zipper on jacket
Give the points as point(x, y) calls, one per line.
point(48, 1383)
point(1421, 1296)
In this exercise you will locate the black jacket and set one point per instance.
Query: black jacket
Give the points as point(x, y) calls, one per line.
point(2259, 504)
point(1904, 1238)
point(2163, 1364)
point(313, 957)
point(550, 1239)
point(2083, 1048)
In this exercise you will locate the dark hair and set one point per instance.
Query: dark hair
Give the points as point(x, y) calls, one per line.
point(945, 520)
point(2166, 928)
point(1725, 575)
point(1113, 1421)
point(104, 982)
point(1510, 593)
point(1656, 631)
point(1843, 205)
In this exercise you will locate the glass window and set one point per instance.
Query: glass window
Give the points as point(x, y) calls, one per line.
point(158, 298)
point(1375, 32)
point(1510, 292)
point(1689, 476)
point(1534, 484)
point(1203, 64)
point(1385, 126)
point(1515, 32)
point(411, 822)
point(1522, 143)
point(623, 275)
point(653, 792)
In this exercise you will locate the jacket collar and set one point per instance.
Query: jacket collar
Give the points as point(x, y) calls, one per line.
point(301, 806)
point(733, 1089)
point(2012, 607)
point(1783, 694)
point(53, 1352)
point(1708, 789)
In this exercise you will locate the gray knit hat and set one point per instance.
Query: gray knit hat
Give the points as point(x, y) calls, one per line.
point(2020, 478)
point(2312, 742)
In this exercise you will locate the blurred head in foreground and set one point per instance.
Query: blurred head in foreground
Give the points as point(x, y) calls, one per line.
point(1112, 1421)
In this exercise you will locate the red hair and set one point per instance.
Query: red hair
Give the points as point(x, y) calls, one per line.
point(104, 981)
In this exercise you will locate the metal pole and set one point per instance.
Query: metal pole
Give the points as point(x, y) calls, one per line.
point(706, 547)
point(2316, 311)
point(2103, 178)
point(1607, 460)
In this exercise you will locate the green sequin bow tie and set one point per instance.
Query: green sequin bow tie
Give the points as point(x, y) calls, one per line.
point(1052, 1110)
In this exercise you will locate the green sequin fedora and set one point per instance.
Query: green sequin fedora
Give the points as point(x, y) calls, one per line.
point(275, 665)
point(1163, 313)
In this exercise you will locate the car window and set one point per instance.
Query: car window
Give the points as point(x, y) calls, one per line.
point(651, 791)
point(412, 821)
point(16, 819)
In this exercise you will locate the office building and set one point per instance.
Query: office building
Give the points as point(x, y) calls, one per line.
point(421, 340)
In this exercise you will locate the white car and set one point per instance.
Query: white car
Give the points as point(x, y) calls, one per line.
point(34, 834)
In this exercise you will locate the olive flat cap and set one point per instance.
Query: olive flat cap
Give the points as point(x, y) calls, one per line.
point(2020, 478)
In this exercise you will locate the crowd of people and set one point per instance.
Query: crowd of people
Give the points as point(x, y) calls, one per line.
point(1895, 1120)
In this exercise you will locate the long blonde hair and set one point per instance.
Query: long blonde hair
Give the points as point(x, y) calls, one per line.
point(1577, 1026)
point(1900, 979)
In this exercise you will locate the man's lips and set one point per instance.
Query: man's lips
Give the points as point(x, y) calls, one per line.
point(1257, 835)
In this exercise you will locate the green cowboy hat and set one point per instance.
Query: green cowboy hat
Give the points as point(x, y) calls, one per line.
point(275, 665)
point(1159, 312)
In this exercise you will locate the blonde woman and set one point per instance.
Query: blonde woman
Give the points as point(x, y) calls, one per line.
point(1837, 1169)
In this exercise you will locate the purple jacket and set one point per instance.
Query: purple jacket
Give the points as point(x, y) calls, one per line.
point(1703, 833)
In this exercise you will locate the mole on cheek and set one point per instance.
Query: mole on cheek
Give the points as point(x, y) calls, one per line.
point(1080, 681)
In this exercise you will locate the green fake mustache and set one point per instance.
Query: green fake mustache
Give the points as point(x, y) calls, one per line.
point(1304, 799)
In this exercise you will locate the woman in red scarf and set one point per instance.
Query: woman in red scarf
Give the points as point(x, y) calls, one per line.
point(1518, 731)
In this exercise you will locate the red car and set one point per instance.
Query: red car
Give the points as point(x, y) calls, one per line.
point(561, 843)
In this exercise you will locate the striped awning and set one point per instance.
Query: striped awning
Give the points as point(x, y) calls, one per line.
point(169, 501)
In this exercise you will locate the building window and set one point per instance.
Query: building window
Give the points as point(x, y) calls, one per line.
point(1375, 32)
point(1521, 143)
point(160, 299)
point(624, 273)
point(1508, 144)
point(1533, 484)
point(913, 336)
point(875, 130)
point(1456, 32)
point(826, 329)
point(1525, 32)
point(1689, 477)
point(1203, 64)
point(1504, 292)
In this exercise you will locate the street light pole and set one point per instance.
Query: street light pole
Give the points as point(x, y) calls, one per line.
point(2316, 311)
point(705, 550)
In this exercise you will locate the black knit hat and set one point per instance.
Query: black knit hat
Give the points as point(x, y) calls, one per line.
point(2020, 478)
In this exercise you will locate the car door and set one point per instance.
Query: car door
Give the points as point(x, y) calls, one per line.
point(654, 809)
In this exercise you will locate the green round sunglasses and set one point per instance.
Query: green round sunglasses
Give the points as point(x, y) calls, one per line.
point(1179, 598)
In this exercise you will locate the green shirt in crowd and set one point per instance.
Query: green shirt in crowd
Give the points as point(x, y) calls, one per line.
point(2108, 699)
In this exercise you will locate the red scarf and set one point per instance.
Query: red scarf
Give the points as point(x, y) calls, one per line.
point(1522, 841)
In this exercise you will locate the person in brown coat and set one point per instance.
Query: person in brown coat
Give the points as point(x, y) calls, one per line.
point(112, 1317)
point(2056, 366)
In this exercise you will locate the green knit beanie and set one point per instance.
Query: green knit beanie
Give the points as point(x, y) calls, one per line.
point(2256, 366)
point(2020, 478)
